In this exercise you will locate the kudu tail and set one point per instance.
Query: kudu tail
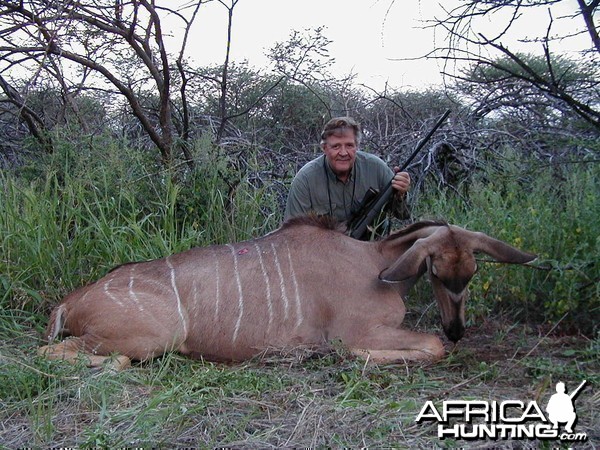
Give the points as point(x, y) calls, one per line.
point(56, 324)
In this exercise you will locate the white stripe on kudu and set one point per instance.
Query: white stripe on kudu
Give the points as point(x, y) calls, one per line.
point(268, 285)
point(109, 295)
point(217, 285)
point(132, 293)
point(177, 297)
point(240, 293)
point(299, 317)
point(281, 282)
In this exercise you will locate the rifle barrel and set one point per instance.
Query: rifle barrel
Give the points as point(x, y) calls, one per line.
point(423, 141)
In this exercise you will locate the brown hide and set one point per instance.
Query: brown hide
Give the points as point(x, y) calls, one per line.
point(304, 284)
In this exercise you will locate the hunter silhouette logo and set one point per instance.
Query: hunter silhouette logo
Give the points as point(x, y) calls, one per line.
point(508, 419)
point(560, 407)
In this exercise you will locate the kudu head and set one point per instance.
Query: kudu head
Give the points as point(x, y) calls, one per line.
point(447, 254)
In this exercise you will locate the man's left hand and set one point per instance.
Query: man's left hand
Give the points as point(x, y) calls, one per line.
point(401, 181)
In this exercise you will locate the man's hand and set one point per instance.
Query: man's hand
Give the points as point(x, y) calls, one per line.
point(401, 182)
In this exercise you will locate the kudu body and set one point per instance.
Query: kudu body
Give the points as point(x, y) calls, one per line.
point(304, 284)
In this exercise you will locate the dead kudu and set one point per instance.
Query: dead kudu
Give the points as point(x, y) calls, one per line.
point(304, 284)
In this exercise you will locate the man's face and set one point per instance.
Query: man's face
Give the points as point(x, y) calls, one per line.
point(340, 150)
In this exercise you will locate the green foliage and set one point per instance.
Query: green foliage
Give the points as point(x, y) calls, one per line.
point(536, 94)
point(217, 201)
point(292, 117)
point(567, 72)
point(66, 226)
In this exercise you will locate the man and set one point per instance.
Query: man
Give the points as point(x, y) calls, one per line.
point(336, 182)
point(560, 407)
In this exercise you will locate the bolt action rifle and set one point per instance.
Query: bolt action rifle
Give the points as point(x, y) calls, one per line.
point(374, 201)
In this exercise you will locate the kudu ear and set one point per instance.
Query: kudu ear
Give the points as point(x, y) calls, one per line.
point(408, 265)
point(501, 251)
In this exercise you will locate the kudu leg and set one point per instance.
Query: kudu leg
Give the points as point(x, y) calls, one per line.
point(388, 345)
point(72, 350)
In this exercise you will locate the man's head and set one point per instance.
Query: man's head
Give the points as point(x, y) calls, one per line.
point(339, 141)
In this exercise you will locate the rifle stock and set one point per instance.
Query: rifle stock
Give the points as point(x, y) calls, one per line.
point(357, 226)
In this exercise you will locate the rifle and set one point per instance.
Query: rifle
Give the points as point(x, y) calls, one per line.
point(372, 204)
point(573, 394)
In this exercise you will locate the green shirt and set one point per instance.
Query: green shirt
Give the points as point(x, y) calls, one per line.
point(317, 189)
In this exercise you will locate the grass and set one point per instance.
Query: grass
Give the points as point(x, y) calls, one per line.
point(283, 400)
point(58, 232)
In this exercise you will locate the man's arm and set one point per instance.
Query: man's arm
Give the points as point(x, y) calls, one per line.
point(398, 204)
point(298, 201)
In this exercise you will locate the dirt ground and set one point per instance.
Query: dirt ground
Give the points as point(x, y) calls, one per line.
point(303, 398)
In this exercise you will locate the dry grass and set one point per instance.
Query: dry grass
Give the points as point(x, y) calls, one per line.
point(298, 398)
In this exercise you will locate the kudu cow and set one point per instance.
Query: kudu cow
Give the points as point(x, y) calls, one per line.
point(304, 284)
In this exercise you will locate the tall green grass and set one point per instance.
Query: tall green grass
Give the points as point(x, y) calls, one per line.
point(60, 230)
